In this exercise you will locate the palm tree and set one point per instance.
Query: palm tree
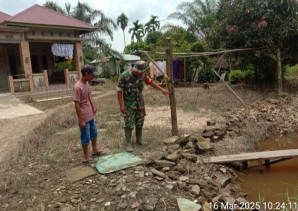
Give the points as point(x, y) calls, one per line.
point(137, 31)
point(67, 8)
point(152, 25)
point(198, 15)
point(104, 25)
point(83, 12)
point(122, 20)
point(53, 6)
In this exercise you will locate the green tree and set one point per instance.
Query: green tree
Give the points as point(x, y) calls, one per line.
point(152, 37)
point(68, 8)
point(179, 37)
point(135, 46)
point(254, 24)
point(83, 12)
point(106, 26)
point(54, 6)
point(137, 31)
point(152, 25)
point(197, 15)
point(122, 20)
point(90, 52)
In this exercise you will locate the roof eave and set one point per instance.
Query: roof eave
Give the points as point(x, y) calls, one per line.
point(49, 26)
point(13, 28)
point(56, 39)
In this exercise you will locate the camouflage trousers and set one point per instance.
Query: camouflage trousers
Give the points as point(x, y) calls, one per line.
point(134, 117)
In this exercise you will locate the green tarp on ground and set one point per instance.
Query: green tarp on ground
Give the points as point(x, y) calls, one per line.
point(187, 205)
point(116, 162)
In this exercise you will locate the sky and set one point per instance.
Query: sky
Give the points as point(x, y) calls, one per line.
point(134, 9)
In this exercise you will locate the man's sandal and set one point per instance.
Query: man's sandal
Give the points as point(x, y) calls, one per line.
point(89, 161)
point(99, 153)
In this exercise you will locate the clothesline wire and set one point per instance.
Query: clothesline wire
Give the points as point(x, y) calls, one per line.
point(193, 54)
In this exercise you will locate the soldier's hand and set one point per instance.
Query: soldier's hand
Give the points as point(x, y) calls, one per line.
point(165, 92)
point(122, 109)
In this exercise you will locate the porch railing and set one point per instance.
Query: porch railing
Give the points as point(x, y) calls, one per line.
point(27, 83)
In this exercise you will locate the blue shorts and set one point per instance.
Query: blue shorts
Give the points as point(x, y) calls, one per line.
point(89, 133)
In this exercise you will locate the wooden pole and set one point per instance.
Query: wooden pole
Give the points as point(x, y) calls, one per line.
point(171, 86)
point(279, 73)
point(260, 165)
point(184, 71)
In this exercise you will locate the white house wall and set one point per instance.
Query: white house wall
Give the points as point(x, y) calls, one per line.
point(128, 66)
point(111, 66)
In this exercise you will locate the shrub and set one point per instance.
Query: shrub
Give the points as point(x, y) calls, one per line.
point(248, 76)
point(236, 76)
point(114, 78)
point(206, 76)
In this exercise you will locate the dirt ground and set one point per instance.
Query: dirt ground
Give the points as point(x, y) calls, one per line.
point(12, 130)
point(36, 181)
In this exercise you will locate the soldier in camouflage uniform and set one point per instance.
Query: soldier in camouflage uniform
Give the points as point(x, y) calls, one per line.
point(131, 100)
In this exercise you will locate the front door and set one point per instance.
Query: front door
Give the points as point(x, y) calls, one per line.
point(12, 65)
point(34, 64)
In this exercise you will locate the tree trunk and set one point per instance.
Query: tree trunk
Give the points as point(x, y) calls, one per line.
point(124, 39)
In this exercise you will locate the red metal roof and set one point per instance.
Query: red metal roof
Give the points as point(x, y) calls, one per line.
point(3, 16)
point(39, 15)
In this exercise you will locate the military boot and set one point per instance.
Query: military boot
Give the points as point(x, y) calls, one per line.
point(140, 141)
point(128, 133)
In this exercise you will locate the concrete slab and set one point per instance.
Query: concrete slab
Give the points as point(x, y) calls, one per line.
point(12, 107)
point(52, 98)
point(78, 173)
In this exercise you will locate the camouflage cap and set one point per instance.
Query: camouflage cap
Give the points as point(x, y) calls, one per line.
point(140, 66)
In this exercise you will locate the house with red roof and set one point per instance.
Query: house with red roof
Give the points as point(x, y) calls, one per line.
point(33, 44)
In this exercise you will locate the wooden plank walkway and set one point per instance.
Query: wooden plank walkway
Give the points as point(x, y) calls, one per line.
point(276, 156)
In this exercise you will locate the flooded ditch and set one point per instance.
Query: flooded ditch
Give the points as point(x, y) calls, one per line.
point(276, 182)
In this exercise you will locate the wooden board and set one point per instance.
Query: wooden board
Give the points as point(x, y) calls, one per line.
point(253, 156)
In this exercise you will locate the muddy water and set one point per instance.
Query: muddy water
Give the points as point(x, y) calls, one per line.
point(276, 181)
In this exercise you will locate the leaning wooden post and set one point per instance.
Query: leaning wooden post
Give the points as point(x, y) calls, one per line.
point(279, 73)
point(171, 87)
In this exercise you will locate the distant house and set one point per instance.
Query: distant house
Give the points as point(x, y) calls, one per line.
point(113, 65)
point(32, 43)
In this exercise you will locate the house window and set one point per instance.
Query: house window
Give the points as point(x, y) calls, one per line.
point(52, 34)
point(33, 33)
point(20, 85)
point(42, 34)
point(40, 81)
point(9, 36)
point(60, 34)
